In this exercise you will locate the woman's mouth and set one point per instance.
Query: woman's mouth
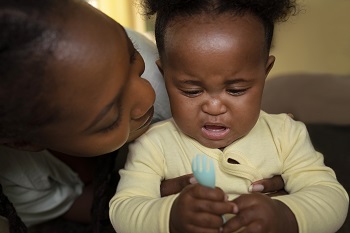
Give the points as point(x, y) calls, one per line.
point(149, 116)
point(215, 132)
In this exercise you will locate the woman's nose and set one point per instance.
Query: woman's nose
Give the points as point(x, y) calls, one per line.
point(214, 106)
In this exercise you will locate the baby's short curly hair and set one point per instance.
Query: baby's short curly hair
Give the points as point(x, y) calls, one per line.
point(268, 11)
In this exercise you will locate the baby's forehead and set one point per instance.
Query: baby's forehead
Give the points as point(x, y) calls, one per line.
point(200, 28)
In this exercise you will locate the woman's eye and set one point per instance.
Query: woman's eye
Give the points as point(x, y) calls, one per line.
point(112, 126)
point(236, 92)
point(192, 93)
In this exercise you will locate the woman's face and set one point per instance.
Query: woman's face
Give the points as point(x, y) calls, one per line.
point(102, 101)
point(215, 71)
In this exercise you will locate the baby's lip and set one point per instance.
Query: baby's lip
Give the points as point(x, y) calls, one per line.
point(215, 131)
point(214, 126)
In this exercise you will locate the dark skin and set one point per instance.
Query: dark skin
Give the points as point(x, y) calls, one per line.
point(259, 213)
point(272, 187)
point(185, 57)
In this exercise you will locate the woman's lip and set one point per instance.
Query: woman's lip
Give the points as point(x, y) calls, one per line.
point(147, 122)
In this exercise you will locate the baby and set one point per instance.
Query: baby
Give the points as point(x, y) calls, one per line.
point(214, 56)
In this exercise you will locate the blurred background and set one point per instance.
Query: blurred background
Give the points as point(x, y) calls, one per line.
point(317, 40)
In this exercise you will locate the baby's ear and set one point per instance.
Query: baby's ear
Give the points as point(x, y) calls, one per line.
point(269, 64)
point(160, 68)
point(20, 145)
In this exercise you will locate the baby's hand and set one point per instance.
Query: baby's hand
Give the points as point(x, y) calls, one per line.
point(199, 209)
point(259, 213)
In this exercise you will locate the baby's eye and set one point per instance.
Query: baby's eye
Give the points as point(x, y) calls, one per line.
point(237, 92)
point(192, 93)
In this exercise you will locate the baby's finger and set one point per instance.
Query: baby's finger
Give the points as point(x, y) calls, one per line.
point(240, 223)
point(197, 229)
point(215, 208)
point(272, 184)
point(207, 220)
point(202, 192)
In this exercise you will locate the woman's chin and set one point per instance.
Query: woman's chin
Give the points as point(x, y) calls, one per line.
point(134, 135)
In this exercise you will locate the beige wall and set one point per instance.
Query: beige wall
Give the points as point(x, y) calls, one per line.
point(316, 40)
point(126, 12)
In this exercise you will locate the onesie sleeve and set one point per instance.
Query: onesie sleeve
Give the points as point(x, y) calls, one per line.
point(318, 201)
point(137, 205)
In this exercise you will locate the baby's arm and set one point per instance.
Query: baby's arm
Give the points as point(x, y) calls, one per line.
point(139, 207)
point(316, 199)
point(319, 202)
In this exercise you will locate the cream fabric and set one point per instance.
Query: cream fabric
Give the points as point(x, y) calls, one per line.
point(276, 145)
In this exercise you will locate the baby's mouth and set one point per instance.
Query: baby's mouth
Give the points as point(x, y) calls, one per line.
point(215, 132)
point(215, 127)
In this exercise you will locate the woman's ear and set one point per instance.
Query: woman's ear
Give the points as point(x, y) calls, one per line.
point(20, 145)
point(269, 64)
point(159, 65)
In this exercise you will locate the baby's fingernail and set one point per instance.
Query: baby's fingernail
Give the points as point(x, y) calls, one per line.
point(235, 208)
point(193, 180)
point(221, 229)
point(226, 197)
point(256, 188)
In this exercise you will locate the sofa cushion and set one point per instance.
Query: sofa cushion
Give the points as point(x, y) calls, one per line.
point(311, 98)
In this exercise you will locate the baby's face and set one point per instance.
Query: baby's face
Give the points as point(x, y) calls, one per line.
point(215, 71)
point(101, 98)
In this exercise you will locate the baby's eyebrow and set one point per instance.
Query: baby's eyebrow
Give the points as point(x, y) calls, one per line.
point(234, 81)
point(192, 82)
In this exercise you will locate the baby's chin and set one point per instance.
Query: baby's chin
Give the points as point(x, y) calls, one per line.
point(216, 144)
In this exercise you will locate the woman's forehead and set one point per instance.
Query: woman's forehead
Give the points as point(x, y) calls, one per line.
point(93, 50)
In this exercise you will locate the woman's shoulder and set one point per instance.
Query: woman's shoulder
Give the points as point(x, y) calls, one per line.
point(25, 168)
